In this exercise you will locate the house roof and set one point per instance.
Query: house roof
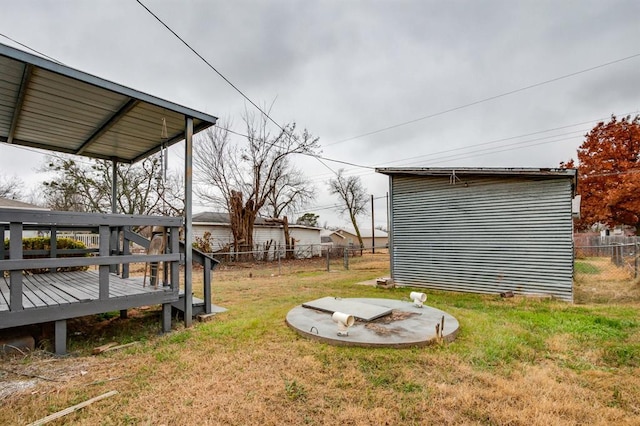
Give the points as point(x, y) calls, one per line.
point(490, 171)
point(7, 203)
point(364, 233)
point(329, 232)
point(47, 105)
point(453, 173)
point(220, 218)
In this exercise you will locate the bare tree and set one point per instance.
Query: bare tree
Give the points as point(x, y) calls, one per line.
point(86, 186)
point(10, 187)
point(241, 178)
point(290, 192)
point(353, 195)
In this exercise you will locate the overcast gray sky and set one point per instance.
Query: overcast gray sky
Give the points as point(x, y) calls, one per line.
point(342, 69)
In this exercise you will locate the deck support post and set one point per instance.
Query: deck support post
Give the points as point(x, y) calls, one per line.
point(60, 337)
point(188, 231)
point(166, 317)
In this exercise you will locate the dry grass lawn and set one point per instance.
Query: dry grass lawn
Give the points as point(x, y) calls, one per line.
point(516, 361)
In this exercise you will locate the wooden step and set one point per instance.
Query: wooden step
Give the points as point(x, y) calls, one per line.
point(198, 305)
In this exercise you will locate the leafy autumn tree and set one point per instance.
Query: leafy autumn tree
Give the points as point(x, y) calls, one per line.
point(609, 174)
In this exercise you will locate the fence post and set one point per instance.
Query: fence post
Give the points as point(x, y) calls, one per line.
point(635, 261)
point(279, 264)
point(346, 259)
point(328, 249)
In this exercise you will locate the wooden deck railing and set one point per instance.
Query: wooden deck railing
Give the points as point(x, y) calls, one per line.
point(113, 254)
point(208, 263)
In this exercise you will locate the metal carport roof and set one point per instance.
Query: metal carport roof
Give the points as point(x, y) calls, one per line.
point(50, 106)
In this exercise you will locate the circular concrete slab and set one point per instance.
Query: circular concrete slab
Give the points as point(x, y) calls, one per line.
point(406, 326)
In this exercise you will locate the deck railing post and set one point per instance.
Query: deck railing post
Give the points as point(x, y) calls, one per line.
point(2, 250)
point(174, 247)
point(126, 250)
point(114, 250)
point(15, 252)
point(207, 285)
point(53, 244)
point(103, 280)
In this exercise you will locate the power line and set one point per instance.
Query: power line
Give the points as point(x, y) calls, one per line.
point(210, 66)
point(32, 49)
point(328, 207)
point(319, 158)
point(438, 153)
point(316, 156)
point(491, 98)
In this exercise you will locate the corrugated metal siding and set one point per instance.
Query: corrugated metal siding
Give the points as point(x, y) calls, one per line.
point(488, 236)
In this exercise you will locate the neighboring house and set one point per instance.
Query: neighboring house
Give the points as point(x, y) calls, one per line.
point(7, 203)
point(331, 238)
point(482, 230)
point(344, 237)
point(266, 233)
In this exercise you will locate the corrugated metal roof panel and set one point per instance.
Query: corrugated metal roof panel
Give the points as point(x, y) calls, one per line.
point(62, 109)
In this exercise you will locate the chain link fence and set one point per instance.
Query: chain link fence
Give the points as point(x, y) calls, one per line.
point(607, 261)
point(606, 258)
point(303, 259)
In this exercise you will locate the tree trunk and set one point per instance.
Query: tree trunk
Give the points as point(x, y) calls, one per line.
point(355, 226)
point(241, 218)
point(288, 254)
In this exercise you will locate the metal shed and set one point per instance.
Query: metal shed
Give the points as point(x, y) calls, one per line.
point(483, 230)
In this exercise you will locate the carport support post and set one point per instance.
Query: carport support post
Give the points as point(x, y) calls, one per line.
point(114, 210)
point(188, 207)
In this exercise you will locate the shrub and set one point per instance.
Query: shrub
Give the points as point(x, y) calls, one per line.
point(44, 243)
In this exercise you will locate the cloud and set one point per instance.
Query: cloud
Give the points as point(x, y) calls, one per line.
point(342, 69)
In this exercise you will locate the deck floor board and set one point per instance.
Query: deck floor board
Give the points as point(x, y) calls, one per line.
point(58, 295)
point(4, 294)
point(60, 288)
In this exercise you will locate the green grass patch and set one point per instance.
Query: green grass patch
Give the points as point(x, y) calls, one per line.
point(582, 267)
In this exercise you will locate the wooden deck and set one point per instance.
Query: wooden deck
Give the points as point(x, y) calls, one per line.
point(63, 295)
point(64, 288)
point(28, 298)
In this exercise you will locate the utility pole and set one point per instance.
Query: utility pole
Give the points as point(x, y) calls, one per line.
point(373, 231)
point(388, 216)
